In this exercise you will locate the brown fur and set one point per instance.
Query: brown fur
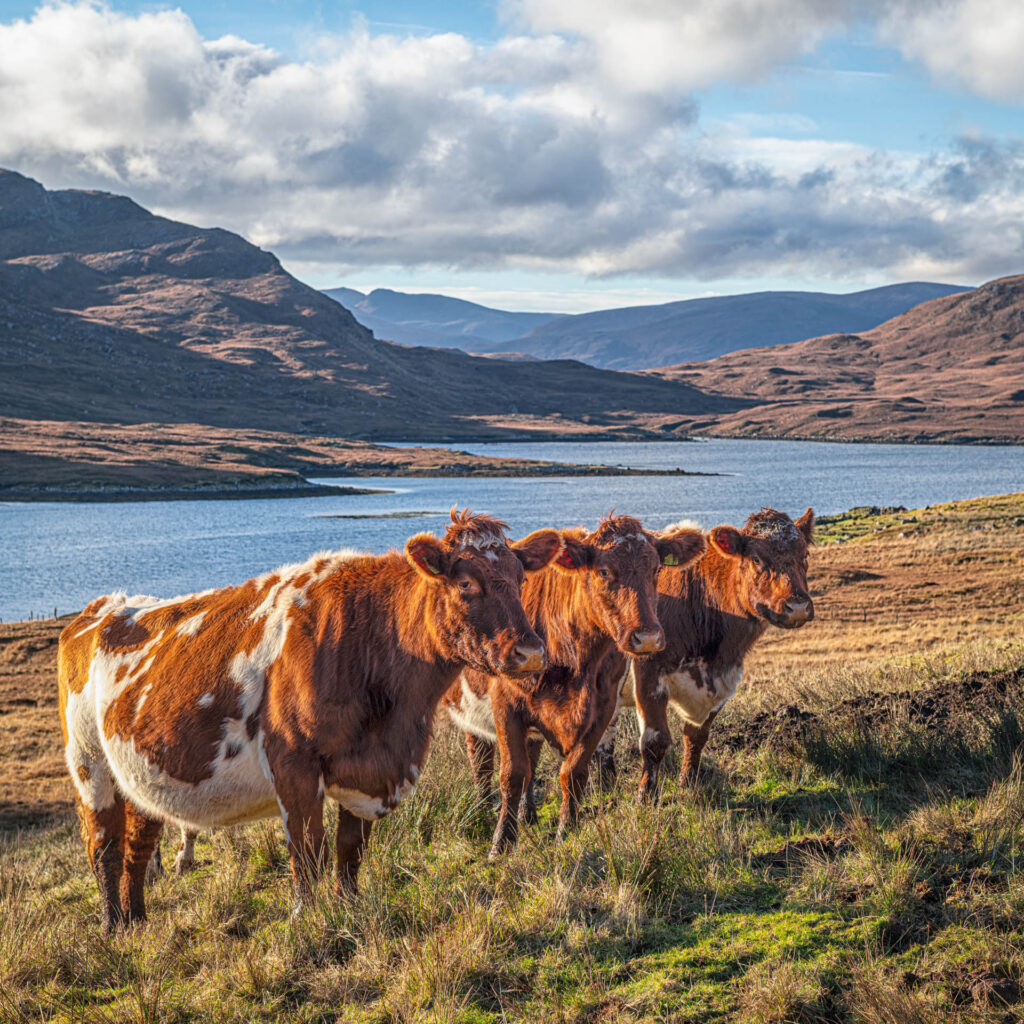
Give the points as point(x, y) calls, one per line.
point(368, 652)
point(598, 595)
point(713, 612)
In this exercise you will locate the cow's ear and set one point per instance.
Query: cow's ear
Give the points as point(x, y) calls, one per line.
point(428, 555)
point(574, 555)
point(729, 541)
point(537, 549)
point(680, 548)
point(805, 524)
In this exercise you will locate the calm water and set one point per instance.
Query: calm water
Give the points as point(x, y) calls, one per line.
point(63, 555)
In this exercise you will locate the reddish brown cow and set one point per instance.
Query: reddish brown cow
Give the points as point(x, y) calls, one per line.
point(713, 612)
point(315, 680)
point(598, 595)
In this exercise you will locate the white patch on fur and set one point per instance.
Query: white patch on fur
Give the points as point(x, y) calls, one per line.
point(482, 542)
point(474, 714)
point(191, 626)
point(284, 819)
point(642, 722)
point(695, 702)
point(360, 804)
point(84, 750)
point(648, 736)
point(622, 538)
point(241, 787)
point(490, 555)
point(186, 857)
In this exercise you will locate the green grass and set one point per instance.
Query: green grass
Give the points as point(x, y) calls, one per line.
point(852, 877)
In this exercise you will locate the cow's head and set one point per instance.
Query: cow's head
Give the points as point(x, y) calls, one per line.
point(618, 568)
point(474, 579)
point(768, 561)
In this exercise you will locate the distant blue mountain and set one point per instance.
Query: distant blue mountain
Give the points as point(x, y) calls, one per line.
point(643, 337)
point(436, 320)
point(635, 337)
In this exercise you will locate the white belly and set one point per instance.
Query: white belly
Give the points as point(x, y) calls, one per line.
point(695, 694)
point(239, 788)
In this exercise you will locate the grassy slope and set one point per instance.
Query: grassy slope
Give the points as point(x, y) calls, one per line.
point(859, 864)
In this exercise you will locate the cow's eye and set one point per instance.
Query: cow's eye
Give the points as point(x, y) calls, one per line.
point(605, 574)
point(758, 561)
point(468, 587)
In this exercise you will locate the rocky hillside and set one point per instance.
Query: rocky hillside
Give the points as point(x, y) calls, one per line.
point(111, 314)
point(950, 369)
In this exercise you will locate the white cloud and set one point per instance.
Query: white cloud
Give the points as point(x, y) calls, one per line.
point(652, 45)
point(531, 153)
point(975, 43)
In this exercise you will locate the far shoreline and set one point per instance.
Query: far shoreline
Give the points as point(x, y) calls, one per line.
point(311, 490)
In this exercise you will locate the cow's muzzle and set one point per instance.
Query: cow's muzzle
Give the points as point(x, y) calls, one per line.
point(796, 611)
point(647, 641)
point(526, 659)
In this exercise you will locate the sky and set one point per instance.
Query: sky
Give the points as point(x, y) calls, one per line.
point(556, 155)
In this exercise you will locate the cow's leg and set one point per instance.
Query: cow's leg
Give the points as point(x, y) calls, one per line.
point(513, 775)
point(604, 755)
point(528, 807)
point(155, 868)
point(185, 860)
point(352, 836)
point(141, 836)
point(652, 717)
point(576, 764)
point(103, 832)
point(694, 739)
point(301, 799)
point(481, 761)
point(101, 812)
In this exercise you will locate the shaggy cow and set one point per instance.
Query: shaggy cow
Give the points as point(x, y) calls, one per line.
point(319, 679)
point(713, 612)
point(597, 596)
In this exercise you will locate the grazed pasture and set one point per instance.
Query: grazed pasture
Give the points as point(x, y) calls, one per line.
point(852, 855)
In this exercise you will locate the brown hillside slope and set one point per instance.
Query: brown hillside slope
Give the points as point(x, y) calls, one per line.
point(886, 586)
point(111, 314)
point(950, 369)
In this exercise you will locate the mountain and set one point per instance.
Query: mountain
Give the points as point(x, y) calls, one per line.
point(643, 337)
point(436, 320)
point(109, 313)
point(950, 369)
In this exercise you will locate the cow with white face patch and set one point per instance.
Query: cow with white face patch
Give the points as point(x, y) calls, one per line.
point(713, 612)
point(259, 700)
point(598, 596)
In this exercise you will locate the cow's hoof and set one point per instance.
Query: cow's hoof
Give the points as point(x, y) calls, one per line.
point(183, 865)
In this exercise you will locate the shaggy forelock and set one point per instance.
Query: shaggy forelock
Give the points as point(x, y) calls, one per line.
point(469, 530)
point(616, 530)
point(771, 524)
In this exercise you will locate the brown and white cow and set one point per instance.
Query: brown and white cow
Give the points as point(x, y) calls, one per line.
point(597, 596)
point(315, 680)
point(713, 611)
